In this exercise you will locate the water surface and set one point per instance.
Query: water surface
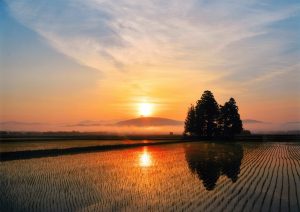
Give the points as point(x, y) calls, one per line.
point(186, 176)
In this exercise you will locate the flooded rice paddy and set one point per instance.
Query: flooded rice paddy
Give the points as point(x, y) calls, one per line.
point(173, 177)
point(17, 146)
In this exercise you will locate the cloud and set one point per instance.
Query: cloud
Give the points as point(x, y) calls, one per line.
point(24, 126)
point(238, 48)
point(292, 122)
point(195, 35)
point(18, 123)
point(253, 121)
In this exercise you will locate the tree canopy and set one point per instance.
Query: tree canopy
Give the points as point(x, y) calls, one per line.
point(208, 119)
point(189, 124)
point(229, 122)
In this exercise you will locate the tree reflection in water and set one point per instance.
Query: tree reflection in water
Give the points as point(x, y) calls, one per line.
point(211, 160)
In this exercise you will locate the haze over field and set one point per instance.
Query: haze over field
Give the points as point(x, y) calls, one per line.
point(87, 65)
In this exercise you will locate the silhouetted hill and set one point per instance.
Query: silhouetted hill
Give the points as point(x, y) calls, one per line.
point(149, 121)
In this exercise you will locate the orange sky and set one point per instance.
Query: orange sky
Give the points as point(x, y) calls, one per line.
point(99, 60)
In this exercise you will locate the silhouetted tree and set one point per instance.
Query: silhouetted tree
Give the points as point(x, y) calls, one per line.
point(229, 122)
point(246, 132)
point(190, 122)
point(208, 119)
point(207, 112)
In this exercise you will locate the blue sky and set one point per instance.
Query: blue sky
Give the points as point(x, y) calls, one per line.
point(66, 61)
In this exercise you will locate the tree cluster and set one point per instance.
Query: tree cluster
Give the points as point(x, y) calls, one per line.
point(209, 119)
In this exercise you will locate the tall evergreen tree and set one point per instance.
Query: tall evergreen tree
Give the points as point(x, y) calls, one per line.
point(229, 122)
point(208, 119)
point(190, 122)
point(207, 112)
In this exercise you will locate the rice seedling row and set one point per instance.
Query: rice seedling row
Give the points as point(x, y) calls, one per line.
point(243, 177)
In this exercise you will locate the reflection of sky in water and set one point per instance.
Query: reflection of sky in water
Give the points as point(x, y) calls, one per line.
point(179, 177)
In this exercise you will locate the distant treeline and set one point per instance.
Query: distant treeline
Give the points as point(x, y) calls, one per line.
point(57, 136)
point(7, 136)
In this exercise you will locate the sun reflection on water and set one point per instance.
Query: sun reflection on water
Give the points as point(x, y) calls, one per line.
point(145, 158)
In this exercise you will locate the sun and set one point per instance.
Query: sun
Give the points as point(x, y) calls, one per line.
point(145, 109)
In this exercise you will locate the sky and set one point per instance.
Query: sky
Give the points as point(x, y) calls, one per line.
point(67, 62)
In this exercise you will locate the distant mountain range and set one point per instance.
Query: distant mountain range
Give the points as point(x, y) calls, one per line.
point(149, 121)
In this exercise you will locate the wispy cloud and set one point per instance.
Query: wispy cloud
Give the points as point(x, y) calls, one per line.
point(253, 121)
point(293, 122)
point(196, 35)
point(22, 125)
point(16, 123)
point(150, 47)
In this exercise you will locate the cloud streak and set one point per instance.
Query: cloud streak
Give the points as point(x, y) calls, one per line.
point(149, 48)
point(116, 35)
point(253, 121)
point(4, 123)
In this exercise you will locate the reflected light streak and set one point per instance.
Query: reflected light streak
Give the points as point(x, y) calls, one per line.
point(145, 158)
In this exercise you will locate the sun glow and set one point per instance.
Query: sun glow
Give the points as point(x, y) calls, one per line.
point(145, 159)
point(145, 109)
